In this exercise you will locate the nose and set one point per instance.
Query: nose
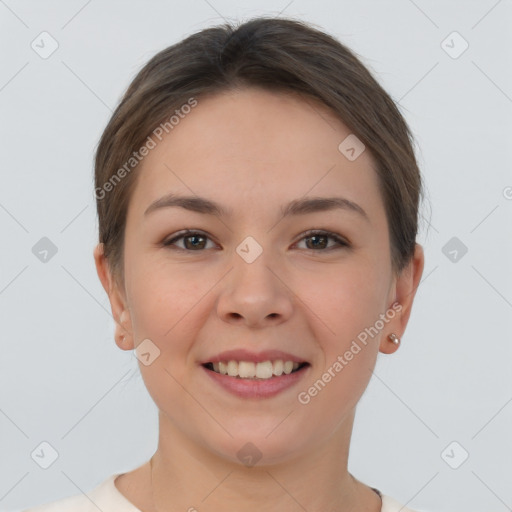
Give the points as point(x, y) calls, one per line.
point(255, 294)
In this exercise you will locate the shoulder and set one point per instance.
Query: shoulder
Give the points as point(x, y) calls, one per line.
point(389, 504)
point(105, 497)
point(78, 503)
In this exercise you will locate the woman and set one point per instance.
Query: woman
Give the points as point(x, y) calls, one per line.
point(257, 194)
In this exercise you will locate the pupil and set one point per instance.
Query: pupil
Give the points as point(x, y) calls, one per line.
point(194, 237)
point(316, 237)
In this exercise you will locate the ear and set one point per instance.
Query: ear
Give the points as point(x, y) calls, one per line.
point(403, 292)
point(120, 312)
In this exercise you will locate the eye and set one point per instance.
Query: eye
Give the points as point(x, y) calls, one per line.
point(320, 239)
point(193, 240)
point(196, 240)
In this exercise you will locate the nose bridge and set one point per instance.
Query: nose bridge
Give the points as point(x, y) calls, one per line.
point(251, 265)
point(253, 290)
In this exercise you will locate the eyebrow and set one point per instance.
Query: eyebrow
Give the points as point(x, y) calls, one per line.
point(301, 206)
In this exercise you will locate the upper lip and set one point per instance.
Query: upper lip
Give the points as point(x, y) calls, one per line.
point(255, 357)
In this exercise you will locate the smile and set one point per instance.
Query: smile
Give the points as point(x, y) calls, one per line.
point(256, 380)
point(256, 371)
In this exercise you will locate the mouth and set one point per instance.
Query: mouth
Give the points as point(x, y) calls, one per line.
point(249, 370)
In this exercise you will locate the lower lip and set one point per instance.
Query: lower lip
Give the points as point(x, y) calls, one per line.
point(255, 388)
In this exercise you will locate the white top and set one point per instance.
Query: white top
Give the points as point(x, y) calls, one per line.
point(107, 498)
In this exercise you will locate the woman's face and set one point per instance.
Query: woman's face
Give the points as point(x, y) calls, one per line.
point(253, 280)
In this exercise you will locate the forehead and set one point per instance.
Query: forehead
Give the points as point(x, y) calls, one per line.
point(251, 147)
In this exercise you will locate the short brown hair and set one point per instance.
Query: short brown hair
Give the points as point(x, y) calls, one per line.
point(275, 54)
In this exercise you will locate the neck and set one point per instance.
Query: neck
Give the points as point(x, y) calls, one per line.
point(185, 476)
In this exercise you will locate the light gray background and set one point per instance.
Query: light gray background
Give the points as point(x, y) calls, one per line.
point(62, 378)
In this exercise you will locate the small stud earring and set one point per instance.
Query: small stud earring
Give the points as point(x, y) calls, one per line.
point(394, 339)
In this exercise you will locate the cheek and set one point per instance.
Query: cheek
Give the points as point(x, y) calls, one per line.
point(347, 299)
point(348, 345)
point(165, 310)
point(349, 305)
point(163, 300)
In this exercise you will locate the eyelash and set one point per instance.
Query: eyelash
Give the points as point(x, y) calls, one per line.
point(308, 234)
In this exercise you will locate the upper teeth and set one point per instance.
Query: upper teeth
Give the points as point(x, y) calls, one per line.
point(248, 369)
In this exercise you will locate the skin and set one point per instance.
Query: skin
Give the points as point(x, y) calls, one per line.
point(253, 151)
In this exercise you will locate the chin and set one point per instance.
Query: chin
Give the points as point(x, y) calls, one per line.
point(255, 447)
